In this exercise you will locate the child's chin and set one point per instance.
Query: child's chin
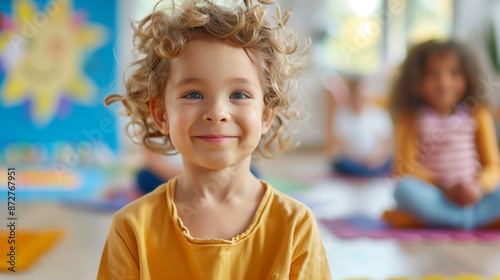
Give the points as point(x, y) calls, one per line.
point(221, 163)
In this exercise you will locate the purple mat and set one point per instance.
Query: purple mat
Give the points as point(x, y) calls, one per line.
point(356, 227)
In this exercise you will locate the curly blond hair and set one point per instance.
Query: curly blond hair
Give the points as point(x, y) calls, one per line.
point(163, 35)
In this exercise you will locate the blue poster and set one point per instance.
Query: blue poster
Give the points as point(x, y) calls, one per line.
point(57, 64)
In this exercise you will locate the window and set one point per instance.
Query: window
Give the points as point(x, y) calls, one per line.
point(364, 35)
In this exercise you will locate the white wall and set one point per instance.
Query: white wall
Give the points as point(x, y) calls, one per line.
point(308, 17)
point(471, 21)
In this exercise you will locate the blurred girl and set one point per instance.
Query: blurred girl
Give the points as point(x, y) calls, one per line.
point(445, 141)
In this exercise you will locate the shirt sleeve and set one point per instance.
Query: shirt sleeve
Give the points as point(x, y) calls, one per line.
point(119, 260)
point(309, 258)
point(406, 161)
point(487, 148)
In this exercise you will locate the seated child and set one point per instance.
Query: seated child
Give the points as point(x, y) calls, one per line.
point(359, 135)
point(214, 83)
point(446, 148)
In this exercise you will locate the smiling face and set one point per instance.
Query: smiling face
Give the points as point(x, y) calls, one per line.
point(213, 106)
point(443, 83)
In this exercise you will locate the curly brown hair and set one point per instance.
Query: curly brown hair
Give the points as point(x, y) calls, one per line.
point(405, 92)
point(163, 35)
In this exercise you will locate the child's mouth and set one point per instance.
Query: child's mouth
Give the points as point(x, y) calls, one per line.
point(215, 138)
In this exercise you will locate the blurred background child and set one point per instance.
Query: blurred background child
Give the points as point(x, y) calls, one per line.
point(359, 135)
point(446, 147)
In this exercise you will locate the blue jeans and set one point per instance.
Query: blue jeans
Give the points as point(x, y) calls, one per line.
point(349, 167)
point(429, 204)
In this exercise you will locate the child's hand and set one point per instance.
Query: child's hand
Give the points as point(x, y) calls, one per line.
point(464, 194)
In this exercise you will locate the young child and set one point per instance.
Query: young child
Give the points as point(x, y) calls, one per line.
point(445, 141)
point(359, 135)
point(214, 83)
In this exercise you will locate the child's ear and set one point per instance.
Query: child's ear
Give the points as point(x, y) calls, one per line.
point(267, 119)
point(159, 115)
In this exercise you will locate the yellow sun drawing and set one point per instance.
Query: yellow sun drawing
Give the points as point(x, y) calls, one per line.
point(49, 47)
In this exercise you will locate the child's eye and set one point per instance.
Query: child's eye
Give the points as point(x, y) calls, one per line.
point(239, 95)
point(194, 95)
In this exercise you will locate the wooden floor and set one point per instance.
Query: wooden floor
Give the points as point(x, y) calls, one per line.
point(77, 255)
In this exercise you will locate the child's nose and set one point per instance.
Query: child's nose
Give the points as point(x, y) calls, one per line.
point(445, 80)
point(216, 113)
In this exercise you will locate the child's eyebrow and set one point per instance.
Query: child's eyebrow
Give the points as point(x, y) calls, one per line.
point(188, 81)
point(243, 81)
point(193, 80)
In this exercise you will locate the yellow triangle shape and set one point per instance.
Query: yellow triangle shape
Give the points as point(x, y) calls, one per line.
point(29, 246)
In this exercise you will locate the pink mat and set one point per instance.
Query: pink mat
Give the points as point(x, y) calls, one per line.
point(357, 227)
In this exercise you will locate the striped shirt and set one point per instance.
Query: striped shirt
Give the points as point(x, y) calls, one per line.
point(447, 145)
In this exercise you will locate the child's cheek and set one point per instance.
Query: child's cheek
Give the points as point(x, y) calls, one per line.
point(253, 125)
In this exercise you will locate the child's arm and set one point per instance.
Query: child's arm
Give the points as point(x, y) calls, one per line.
point(309, 258)
point(487, 148)
point(119, 260)
point(406, 151)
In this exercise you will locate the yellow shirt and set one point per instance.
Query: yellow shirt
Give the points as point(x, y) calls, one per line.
point(147, 240)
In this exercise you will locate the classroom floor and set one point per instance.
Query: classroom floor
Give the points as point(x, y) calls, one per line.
point(77, 255)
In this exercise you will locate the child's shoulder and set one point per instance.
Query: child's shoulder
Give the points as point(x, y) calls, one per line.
point(481, 113)
point(153, 204)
